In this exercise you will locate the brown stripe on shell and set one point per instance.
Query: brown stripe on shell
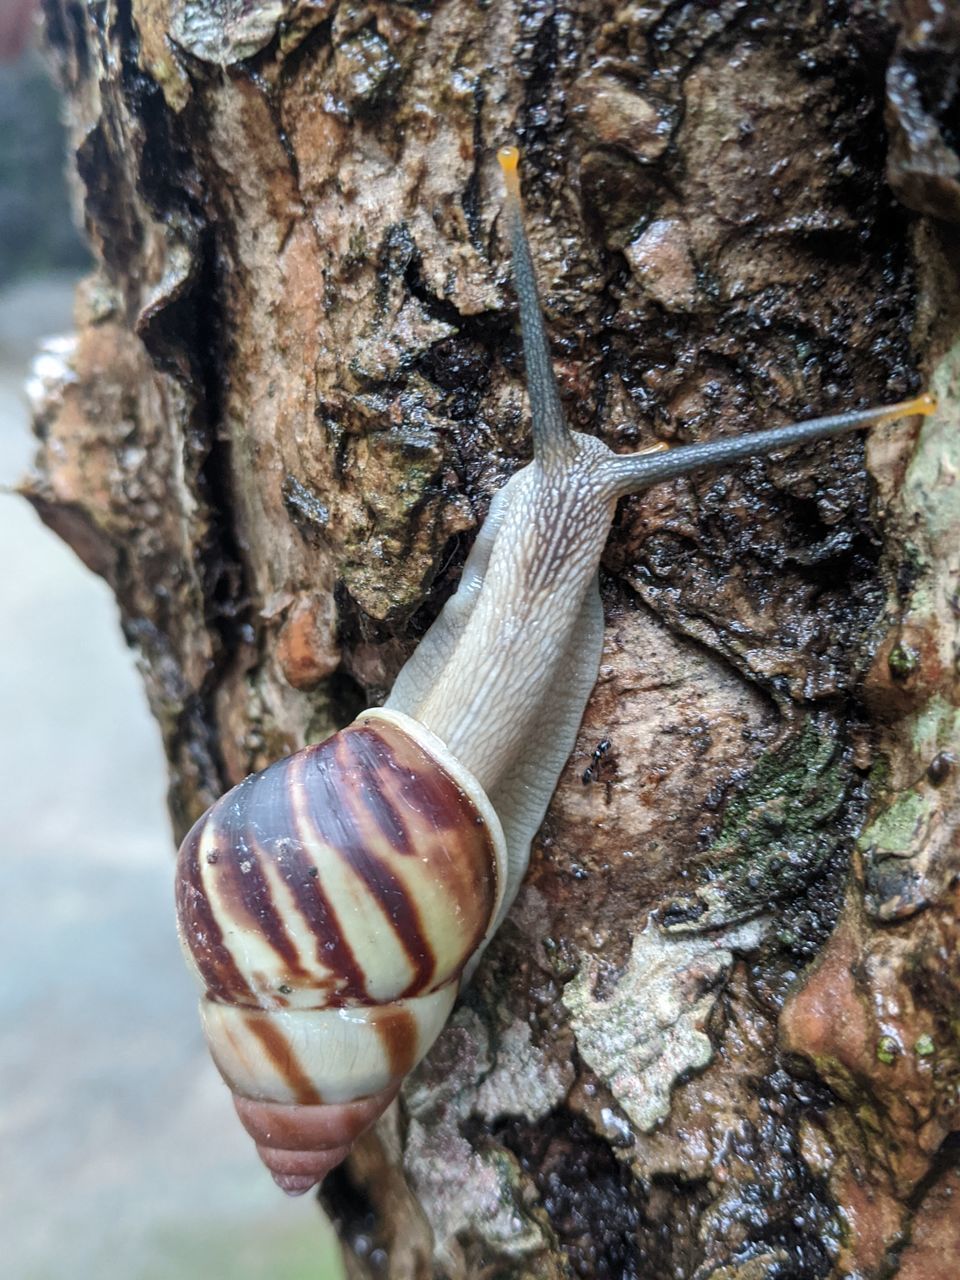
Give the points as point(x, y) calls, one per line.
point(281, 1054)
point(435, 798)
point(364, 757)
point(466, 865)
point(399, 1035)
point(242, 823)
point(365, 754)
point(199, 926)
point(301, 877)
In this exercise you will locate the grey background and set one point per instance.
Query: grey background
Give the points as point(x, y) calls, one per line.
point(120, 1155)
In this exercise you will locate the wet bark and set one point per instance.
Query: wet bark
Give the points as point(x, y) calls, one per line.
point(717, 1036)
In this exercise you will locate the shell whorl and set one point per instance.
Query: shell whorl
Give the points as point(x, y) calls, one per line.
point(328, 906)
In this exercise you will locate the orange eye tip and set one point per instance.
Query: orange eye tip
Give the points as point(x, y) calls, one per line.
point(509, 158)
point(925, 404)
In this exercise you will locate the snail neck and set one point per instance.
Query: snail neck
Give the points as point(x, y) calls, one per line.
point(507, 633)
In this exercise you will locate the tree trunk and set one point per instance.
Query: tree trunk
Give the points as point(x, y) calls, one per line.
point(717, 1036)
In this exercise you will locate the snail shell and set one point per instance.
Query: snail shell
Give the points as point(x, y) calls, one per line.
point(328, 906)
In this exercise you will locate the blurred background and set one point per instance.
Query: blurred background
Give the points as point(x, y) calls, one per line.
point(120, 1155)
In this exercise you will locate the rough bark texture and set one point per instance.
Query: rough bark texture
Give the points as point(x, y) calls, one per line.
point(718, 1035)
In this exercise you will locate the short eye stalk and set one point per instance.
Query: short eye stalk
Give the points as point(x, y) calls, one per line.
point(635, 472)
point(553, 441)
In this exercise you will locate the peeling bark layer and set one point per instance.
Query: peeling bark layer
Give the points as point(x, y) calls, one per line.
point(716, 1038)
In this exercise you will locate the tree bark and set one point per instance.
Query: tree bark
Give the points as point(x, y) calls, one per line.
point(717, 1036)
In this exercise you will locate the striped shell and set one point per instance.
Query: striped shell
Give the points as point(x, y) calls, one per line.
point(328, 906)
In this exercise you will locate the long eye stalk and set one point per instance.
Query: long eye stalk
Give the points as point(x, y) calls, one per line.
point(553, 442)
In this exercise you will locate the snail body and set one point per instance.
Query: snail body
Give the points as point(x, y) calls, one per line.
point(332, 905)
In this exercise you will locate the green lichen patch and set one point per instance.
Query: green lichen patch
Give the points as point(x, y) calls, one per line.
point(937, 728)
point(896, 829)
point(927, 488)
point(778, 831)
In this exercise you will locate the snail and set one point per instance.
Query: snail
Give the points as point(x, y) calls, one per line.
point(332, 906)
